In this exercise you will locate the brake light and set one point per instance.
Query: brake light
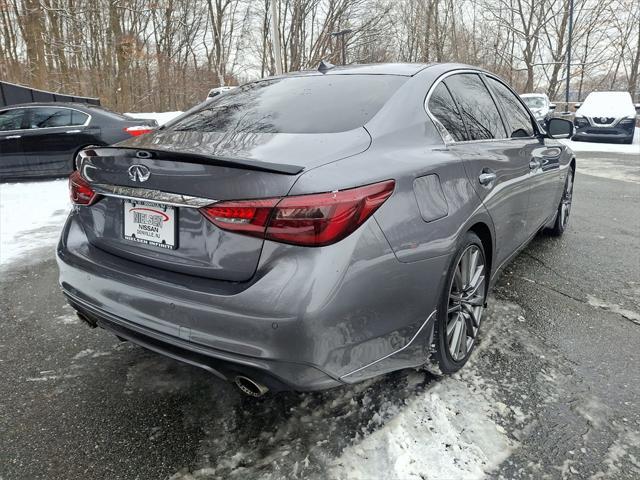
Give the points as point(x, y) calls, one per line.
point(80, 191)
point(249, 216)
point(138, 130)
point(309, 220)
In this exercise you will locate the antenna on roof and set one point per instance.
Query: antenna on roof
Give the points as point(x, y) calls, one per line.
point(325, 66)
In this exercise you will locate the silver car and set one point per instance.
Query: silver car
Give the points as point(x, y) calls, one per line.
point(316, 229)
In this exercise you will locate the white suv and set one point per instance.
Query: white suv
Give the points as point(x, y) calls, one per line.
point(606, 117)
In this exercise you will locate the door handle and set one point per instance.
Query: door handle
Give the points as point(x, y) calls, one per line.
point(534, 164)
point(13, 137)
point(73, 131)
point(486, 177)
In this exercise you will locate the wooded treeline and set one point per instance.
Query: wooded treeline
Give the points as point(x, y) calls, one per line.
point(141, 55)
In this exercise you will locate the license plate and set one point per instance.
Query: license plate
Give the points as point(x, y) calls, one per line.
point(150, 223)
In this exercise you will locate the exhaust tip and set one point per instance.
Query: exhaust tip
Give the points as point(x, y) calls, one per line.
point(250, 387)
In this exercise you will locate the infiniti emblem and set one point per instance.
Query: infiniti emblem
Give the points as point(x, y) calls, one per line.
point(139, 173)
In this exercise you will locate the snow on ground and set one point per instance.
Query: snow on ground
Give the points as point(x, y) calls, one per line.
point(633, 148)
point(436, 436)
point(31, 216)
point(161, 118)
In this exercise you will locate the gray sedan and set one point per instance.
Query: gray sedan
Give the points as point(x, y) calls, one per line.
point(316, 229)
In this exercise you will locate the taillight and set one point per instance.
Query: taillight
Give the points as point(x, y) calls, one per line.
point(309, 220)
point(248, 216)
point(80, 191)
point(138, 130)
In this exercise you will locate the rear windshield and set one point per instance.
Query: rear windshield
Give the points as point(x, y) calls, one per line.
point(311, 104)
point(534, 102)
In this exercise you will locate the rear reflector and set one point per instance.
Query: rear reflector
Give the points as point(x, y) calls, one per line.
point(138, 130)
point(80, 191)
point(309, 220)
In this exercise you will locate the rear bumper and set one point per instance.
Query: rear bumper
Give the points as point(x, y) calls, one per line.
point(310, 319)
point(277, 376)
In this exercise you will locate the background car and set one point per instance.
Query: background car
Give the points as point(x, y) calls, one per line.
point(42, 139)
point(606, 117)
point(540, 106)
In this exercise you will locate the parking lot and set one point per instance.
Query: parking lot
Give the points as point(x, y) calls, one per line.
point(551, 391)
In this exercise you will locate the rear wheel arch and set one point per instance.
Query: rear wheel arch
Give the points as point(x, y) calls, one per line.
point(483, 232)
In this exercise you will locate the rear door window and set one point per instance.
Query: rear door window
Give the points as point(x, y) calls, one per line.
point(304, 104)
point(48, 117)
point(476, 106)
point(517, 118)
point(78, 118)
point(442, 106)
point(11, 119)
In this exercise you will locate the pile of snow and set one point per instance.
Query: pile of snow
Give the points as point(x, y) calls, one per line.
point(161, 118)
point(446, 433)
point(633, 149)
point(31, 216)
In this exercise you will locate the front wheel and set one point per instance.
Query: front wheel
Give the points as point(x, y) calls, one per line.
point(461, 307)
point(564, 209)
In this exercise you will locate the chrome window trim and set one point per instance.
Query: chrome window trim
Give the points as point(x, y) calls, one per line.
point(442, 131)
point(150, 195)
point(85, 124)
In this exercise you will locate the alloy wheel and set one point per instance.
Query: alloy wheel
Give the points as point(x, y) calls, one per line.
point(565, 203)
point(466, 302)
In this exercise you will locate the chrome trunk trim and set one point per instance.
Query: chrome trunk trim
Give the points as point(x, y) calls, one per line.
point(149, 195)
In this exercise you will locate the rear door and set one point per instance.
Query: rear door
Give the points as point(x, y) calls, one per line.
point(12, 161)
point(544, 161)
point(496, 167)
point(54, 135)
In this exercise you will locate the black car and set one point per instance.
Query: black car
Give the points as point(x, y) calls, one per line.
point(42, 139)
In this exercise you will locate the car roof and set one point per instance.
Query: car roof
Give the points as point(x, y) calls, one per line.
point(403, 69)
point(544, 95)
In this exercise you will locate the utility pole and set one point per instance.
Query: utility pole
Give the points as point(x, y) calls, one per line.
point(566, 92)
point(342, 34)
point(275, 37)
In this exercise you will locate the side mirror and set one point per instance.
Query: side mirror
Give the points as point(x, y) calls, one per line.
point(637, 105)
point(577, 105)
point(559, 128)
point(552, 106)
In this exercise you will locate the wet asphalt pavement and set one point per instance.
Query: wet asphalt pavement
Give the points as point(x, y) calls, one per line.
point(559, 356)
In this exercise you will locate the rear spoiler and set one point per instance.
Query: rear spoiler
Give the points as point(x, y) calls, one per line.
point(222, 161)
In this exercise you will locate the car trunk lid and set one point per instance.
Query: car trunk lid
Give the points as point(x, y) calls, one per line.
point(188, 170)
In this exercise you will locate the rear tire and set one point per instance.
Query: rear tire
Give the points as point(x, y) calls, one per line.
point(564, 208)
point(460, 309)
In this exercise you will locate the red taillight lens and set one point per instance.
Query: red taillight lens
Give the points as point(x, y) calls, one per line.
point(138, 130)
point(249, 216)
point(310, 220)
point(80, 191)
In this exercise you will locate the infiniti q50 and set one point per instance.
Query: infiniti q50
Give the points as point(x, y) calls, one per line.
point(319, 228)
